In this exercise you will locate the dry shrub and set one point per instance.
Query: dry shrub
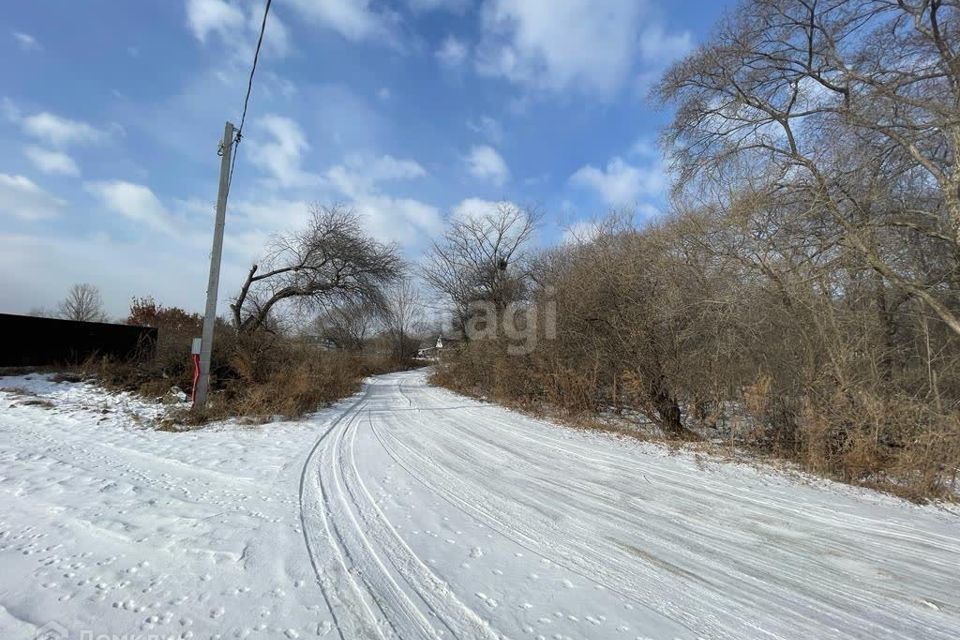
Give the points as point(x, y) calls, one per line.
point(480, 368)
point(302, 385)
point(257, 375)
point(262, 376)
point(756, 396)
point(467, 369)
point(171, 364)
point(826, 366)
point(893, 443)
point(568, 388)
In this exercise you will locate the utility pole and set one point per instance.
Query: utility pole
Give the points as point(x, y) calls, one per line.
point(213, 284)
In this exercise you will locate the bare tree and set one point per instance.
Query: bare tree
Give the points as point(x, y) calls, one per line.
point(83, 303)
point(331, 262)
point(403, 313)
point(823, 102)
point(349, 325)
point(482, 258)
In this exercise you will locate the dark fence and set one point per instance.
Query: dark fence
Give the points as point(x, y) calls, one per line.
point(30, 341)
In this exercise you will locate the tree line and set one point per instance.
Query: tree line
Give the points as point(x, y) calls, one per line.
point(801, 295)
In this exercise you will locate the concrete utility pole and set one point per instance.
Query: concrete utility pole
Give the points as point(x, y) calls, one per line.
point(213, 284)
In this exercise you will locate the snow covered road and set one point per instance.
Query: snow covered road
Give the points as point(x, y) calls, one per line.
point(411, 512)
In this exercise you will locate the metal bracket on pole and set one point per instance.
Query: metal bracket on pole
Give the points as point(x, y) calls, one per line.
point(213, 284)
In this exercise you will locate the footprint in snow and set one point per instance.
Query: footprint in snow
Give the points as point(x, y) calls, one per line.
point(490, 602)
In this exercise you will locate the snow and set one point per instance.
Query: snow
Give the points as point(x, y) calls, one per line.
point(411, 512)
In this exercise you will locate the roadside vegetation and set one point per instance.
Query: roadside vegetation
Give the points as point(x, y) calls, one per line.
point(800, 299)
point(327, 307)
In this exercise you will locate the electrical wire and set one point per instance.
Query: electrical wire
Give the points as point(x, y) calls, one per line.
point(253, 69)
point(246, 100)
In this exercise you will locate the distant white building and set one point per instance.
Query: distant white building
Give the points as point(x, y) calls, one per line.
point(433, 352)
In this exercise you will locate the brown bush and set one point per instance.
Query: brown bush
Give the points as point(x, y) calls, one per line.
point(804, 364)
point(258, 375)
point(893, 443)
point(263, 376)
point(172, 365)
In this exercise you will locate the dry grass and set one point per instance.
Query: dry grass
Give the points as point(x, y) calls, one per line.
point(887, 442)
point(890, 443)
point(259, 377)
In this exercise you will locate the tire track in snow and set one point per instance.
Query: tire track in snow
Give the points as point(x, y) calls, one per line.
point(373, 598)
point(346, 618)
point(511, 523)
point(448, 481)
point(459, 619)
point(697, 483)
point(694, 487)
point(599, 500)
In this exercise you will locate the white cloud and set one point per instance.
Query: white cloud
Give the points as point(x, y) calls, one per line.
point(559, 44)
point(389, 218)
point(21, 198)
point(133, 201)
point(555, 45)
point(621, 183)
point(60, 131)
point(487, 127)
point(477, 208)
point(387, 167)
point(49, 161)
point(658, 50)
point(485, 163)
point(452, 52)
point(213, 16)
point(236, 29)
point(47, 266)
point(360, 175)
point(26, 42)
point(384, 93)
point(276, 37)
point(581, 232)
point(644, 148)
point(274, 214)
point(281, 157)
point(403, 220)
point(648, 210)
point(658, 46)
point(355, 20)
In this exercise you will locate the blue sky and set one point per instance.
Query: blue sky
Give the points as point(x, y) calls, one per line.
point(410, 111)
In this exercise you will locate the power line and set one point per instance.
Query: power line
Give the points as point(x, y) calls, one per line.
point(246, 100)
point(256, 56)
